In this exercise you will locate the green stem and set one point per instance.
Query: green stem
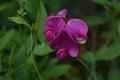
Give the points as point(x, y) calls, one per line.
point(36, 24)
point(114, 28)
point(11, 57)
point(111, 16)
point(35, 66)
point(93, 66)
point(0, 61)
point(13, 71)
point(92, 72)
point(32, 56)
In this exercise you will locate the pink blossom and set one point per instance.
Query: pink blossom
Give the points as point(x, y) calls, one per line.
point(62, 36)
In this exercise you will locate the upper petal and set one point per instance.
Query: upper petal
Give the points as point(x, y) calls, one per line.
point(77, 29)
point(62, 13)
point(76, 24)
point(54, 24)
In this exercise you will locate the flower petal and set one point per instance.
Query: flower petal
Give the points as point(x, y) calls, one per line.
point(76, 24)
point(62, 13)
point(58, 42)
point(55, 24)
point(71, 46)
point(81, 36)
point(77, 29)
point(64, 41)
point(49, 35)
point(61, 54)
point(72, 49)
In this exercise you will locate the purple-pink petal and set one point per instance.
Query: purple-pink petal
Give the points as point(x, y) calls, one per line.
point(76, 24)
point(62, 37)
point(61, 54)
point(77, 29)
point(55, 25)
point(71, 46)
point(81, 35)
point(64, 41)
point(49, 34)
point(62, 13)
point(59, 41)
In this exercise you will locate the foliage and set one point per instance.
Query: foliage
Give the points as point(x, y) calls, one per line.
point(25, 55)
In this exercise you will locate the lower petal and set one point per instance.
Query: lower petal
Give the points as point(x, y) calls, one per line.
point(61, 54)
point(64, 41)
point(71, 47)
point(58, 42)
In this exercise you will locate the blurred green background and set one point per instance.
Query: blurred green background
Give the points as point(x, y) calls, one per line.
point(25, 55)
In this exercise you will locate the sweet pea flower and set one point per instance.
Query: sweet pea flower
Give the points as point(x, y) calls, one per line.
point(63, 37)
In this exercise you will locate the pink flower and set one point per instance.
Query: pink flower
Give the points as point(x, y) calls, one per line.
point(62, 36)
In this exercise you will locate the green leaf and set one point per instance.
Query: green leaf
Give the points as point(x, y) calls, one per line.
point(22, 53)
point(19, 20)
point(22, 61)
point(118, 26)
point(11, 57)
point(0, 61)
point(5, 78)
point(43, 62)
point(6, 38)
point(53, 61)
point(5, 5)
point(75, 78)
point(56, 71)
point(41, 50)
point(104, 53)
point(55, 5)
point(114, 72)
point(109, 53)
point(19, 37)
point(95, 20)
point(43, 17)
point(88, 56)
point(30, 6)
point(101, 1)
point(116, 5)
